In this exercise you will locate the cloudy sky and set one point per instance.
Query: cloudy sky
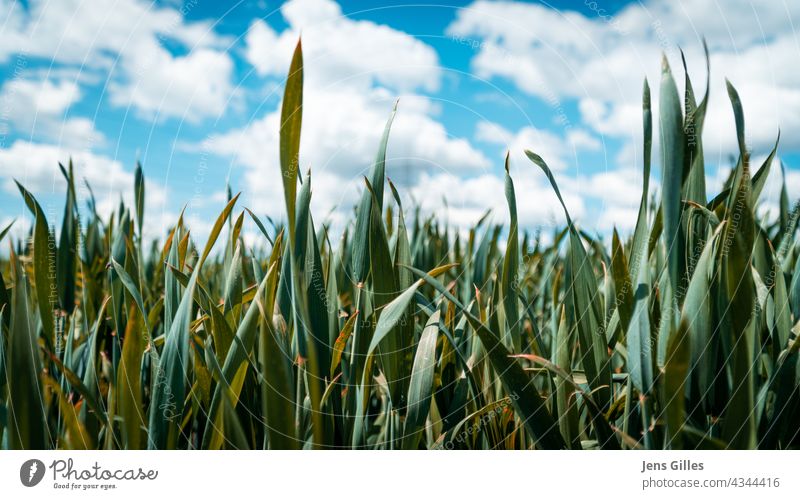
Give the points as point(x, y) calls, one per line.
point(192, 89)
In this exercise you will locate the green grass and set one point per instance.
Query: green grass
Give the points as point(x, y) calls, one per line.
point(406, 335)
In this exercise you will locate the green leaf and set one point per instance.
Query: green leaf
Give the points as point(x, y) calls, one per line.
point(230, 384)
point(393, 312)
point(232, 296)
point(391, 315)
point(510, 279)
point(566, 403)
point(694, 120)
point(584, 306)
point(676, 370)
point(67, 248)
point(383, 280)
point(138, 190)
point(27, 426)
point(421, 386)
point(737, 300)
point(697, 314)
point(738, 115)
point(291, 121)
point(129, 390)
point(5, 231)
point(640, 357)
point(525, 397)
point(44, 270)
point(75, 436)
point(169, 385)
point(673, 143)
point(360, 253)
point(341, 342)
point(761, 176)
point(604, 431)
point(260, 226)
point(641, 234)
point(130, 286)
point(623, 286)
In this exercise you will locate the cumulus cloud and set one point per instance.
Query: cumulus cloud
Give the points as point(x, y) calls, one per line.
point(127, 42)
point(341, 133)
point(36, 167)
point(467, 199)
point(48, 29)
point(601, 200)
point(163, 66)
point(191, 87)
point(600, 61)
point(338, 50)
point(354, 71)
point(39, 109)
point(148, 57)
point(559, 151)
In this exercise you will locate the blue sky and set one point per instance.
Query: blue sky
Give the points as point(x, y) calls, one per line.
point(192, 89)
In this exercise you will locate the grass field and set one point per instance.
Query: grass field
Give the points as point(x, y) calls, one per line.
point(406, 335)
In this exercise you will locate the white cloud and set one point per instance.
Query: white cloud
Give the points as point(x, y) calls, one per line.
point(468, 199)
point(85, 43)
point(494, 133)
point(341, 51)
point(125, 42)
point(341, 133)
point(621, 218)
point(618, 194)
point(559, 152)
point(36, 167)
point(353, 71)
point(598, 200)
point(600, 62)
point(189, 87)
point(47, 97)
point(582, 140)
point(50, 29)
point(39, 109)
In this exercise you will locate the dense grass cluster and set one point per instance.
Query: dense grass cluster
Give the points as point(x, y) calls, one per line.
point(406, 335)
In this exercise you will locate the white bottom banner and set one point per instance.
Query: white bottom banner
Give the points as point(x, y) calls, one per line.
point(355, 474)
